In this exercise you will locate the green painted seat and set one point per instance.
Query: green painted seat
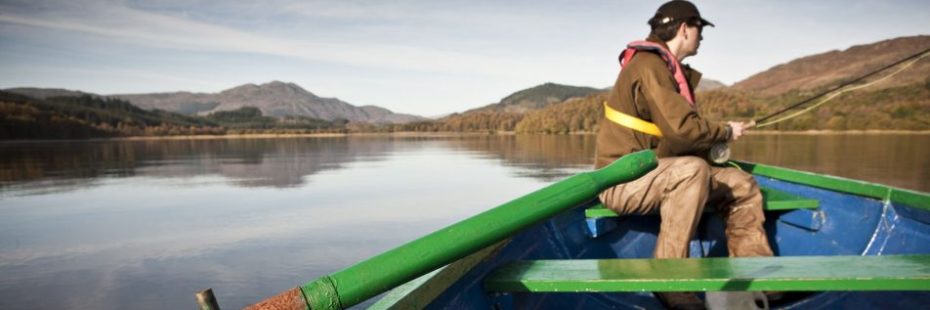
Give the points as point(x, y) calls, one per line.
point(772, 200)
point(795, 273)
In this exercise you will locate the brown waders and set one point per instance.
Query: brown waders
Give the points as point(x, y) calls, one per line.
point(678, 189)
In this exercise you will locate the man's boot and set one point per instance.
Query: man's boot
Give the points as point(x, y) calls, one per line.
point(681, 301)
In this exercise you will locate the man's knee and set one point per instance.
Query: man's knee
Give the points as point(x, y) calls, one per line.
point(745, 187)
point(691, 166)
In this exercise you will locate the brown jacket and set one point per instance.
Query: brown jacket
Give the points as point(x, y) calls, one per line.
point(647, 89)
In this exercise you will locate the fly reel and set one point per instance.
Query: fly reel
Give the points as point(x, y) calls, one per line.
point(719, 153)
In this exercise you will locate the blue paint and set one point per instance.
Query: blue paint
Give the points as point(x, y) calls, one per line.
point(596, 227)
point(811, 220)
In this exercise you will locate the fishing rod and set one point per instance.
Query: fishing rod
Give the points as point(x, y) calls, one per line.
point(913, 58)
point(720, 153)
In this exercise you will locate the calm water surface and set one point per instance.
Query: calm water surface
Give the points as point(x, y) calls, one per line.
point(145, 224)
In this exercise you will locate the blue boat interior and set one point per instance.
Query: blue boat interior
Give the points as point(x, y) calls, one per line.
point(841, 224)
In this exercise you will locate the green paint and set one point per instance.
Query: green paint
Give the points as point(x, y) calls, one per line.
point(420, 292)
point(818, 180)
point(771, 200)
point(911, 198)
point(408, 295)
point(779, 200)
point(599, 210)
point(407, 262)
point(844, 185)
point(321, 294)
point(798, 273)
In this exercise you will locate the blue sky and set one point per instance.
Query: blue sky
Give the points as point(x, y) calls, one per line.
point(420, 57)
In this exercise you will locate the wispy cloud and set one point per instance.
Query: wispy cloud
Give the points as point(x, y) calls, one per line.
point(117, 21)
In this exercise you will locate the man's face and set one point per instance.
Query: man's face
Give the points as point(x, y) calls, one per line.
point(692, 39)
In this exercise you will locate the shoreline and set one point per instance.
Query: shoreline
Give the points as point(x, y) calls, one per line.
point(265, 136)
point(840, 132)
point(445, 134)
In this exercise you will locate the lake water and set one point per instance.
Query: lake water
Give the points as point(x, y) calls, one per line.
point(146, 224)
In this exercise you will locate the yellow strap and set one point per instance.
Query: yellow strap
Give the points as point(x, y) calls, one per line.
point(631, 122)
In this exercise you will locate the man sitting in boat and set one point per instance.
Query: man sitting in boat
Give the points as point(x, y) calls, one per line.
point(651, 106)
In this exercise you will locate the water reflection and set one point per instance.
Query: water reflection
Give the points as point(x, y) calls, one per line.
point(544, 157)
point(896, 160)
point(41, 168)
point(146, 224)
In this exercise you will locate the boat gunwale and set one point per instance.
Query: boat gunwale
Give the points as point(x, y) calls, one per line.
point(895, 195)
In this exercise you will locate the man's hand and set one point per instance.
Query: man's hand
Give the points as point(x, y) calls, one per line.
point(736, 129)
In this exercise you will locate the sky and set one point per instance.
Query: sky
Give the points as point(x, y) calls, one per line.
point(423, 57)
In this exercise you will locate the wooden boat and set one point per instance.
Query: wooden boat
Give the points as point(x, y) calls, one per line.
point(840, 243)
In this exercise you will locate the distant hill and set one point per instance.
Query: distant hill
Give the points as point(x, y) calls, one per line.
point(900, 102)
point(833, 67)
point(44, 93)
point(275, 99)
point(90, 116)
point(276, 107)
point(537, 97)
point(86, 116)
point(580, 114)
point(504, 115)
point(709, 84)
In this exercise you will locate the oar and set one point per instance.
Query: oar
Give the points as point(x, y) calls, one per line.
point(378, 274)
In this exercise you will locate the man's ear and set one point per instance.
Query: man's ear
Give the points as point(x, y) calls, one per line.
point(683, 30)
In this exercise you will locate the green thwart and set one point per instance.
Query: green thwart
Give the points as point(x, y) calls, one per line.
point(772, 200)
point(800, 273)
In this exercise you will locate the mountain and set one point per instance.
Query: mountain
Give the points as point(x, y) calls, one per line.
point(276, 99)
point(504, 115)
point(537, 97)
point(834, 67)
point(45, 93)
point(87, 116)
point(899, 102)
point(580, 114)
point(709, 84)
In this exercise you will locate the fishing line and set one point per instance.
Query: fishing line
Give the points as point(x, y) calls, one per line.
point(839, 90)
point(720, 153)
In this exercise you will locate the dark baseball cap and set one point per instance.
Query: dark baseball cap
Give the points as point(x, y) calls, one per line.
point(680, 10)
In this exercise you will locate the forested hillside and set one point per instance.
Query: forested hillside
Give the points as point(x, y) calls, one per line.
point(573, 115)
point(504, 115)
point(87, 116)
point(893, 108)
point(536, 97)
point(896, 108)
